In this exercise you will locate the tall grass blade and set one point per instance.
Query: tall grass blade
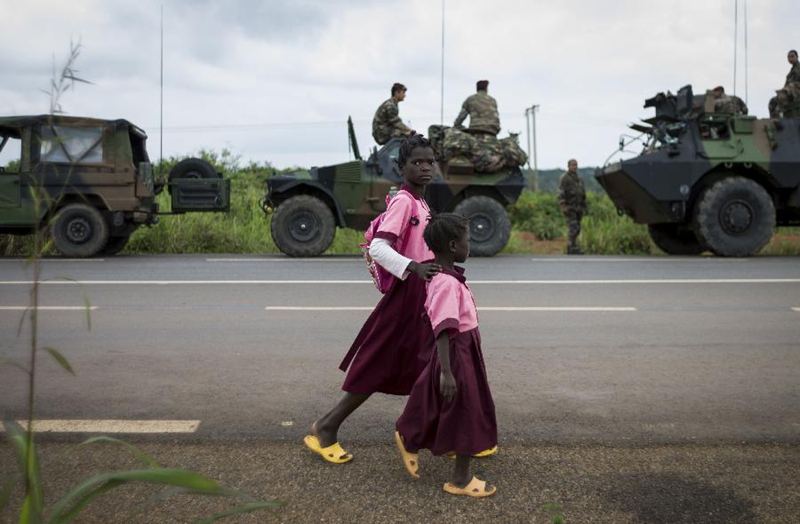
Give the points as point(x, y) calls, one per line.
point(5, 493)
point(141, 455)
point(63, 362)
point(241, 510)
point(194, 482)
point(10, 363)
point(29, 465)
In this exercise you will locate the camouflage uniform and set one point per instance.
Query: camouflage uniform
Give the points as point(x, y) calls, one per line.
point(787, 102)
point(387, 124)
point(732, 105)
point(483, 115)
point(572, 201)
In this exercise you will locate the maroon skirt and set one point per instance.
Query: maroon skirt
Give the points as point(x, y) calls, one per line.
point(394, 345)
point(467, 424)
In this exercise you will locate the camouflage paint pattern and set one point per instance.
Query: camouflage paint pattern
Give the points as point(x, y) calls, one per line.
point(482, 111)
point(686, 155)
point(68, 159)
point(387, 124)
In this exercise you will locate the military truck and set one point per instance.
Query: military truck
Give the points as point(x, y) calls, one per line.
point(706, 180)
point(308, 205)
point(91, 182)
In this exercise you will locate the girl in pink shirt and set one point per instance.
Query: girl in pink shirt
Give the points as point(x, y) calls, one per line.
point(450, 409)
point(395, 343)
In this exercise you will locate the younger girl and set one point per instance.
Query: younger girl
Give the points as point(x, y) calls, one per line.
point(393, 346)
point(450, 409)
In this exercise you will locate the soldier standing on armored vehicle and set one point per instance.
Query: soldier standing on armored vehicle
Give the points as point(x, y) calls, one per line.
point(482, 110)
point(786, 102)
point(572, 201)
point(387, 124)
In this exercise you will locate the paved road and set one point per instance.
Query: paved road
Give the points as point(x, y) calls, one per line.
point(684, 350)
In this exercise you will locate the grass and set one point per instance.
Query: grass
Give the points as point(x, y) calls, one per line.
point(537, 225)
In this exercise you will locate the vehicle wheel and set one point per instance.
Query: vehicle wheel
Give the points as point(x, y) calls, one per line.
point(735, 217)
point(115, 245)
point(79, 231)
point(193, 168)
point(675, 239)
point(489, 226)
point(303, 226)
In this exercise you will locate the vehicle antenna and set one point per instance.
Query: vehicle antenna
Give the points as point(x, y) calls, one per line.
point(161, 102)
point(441, 104)
point(746, 71)
point(735, 40)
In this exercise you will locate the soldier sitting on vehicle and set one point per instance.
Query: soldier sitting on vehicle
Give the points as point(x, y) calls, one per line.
point(572, 201)
point(731, 105)
point(387, 124)
point(786, 102)
point(482, 110)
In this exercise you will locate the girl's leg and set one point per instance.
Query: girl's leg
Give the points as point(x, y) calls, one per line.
point(328, 426)
point(461, 476)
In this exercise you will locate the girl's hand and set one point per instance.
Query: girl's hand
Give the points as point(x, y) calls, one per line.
point(424, 271)
point(447, 385)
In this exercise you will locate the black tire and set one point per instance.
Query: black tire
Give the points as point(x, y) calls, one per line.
point(675, 239)
point(193, 168)
point(303, 226)
point(735, 217)
point(489, 226)
point(115, 245)
point(79, 231)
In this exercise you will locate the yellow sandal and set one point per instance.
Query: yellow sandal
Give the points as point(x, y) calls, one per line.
point(333, 453)
point(410, 460)
point(483, 454)
point(476, 488)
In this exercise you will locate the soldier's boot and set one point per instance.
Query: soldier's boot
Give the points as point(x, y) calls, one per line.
point(574, 250)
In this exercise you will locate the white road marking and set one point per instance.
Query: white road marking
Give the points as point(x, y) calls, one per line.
point(55, 260)
point(48, 308)
point(293, 260)
point(351, 282)
point(796, 309)
point(510, 308)
point(112, 426)
point(318, 308)
point(640, 260)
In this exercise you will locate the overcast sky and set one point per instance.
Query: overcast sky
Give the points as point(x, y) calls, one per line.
point(275, 80)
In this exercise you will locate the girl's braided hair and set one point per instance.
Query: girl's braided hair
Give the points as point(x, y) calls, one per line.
point(409, 144)
point(443, 228)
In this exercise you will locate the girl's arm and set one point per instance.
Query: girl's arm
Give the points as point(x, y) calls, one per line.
point(447, 382)
point(383, 253)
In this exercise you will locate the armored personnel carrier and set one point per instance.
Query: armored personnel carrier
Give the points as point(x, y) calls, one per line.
point(91, 182)
point(308, 205)
point(707, 180)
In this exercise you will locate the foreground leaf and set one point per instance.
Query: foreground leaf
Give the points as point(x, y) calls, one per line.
point(60, 359)
point(141, 455)
point(65, 509)
point(5, 493)
point(11, 363)
point(240, 510)
point(29, 464)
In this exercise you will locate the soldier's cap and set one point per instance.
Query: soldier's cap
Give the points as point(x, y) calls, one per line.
point(719, 88)
point(482, 85)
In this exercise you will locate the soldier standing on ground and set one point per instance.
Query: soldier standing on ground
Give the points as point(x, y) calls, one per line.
point(732, 105)
point(482, 111)
point(572, 201)
point(387, 124)
point(790, 94)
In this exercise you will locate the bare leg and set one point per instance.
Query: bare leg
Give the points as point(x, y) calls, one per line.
point(328, 425)
point(461, 476)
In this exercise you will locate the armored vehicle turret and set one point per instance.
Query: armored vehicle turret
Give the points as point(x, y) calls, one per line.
point(707, 180)
point(308, 205)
